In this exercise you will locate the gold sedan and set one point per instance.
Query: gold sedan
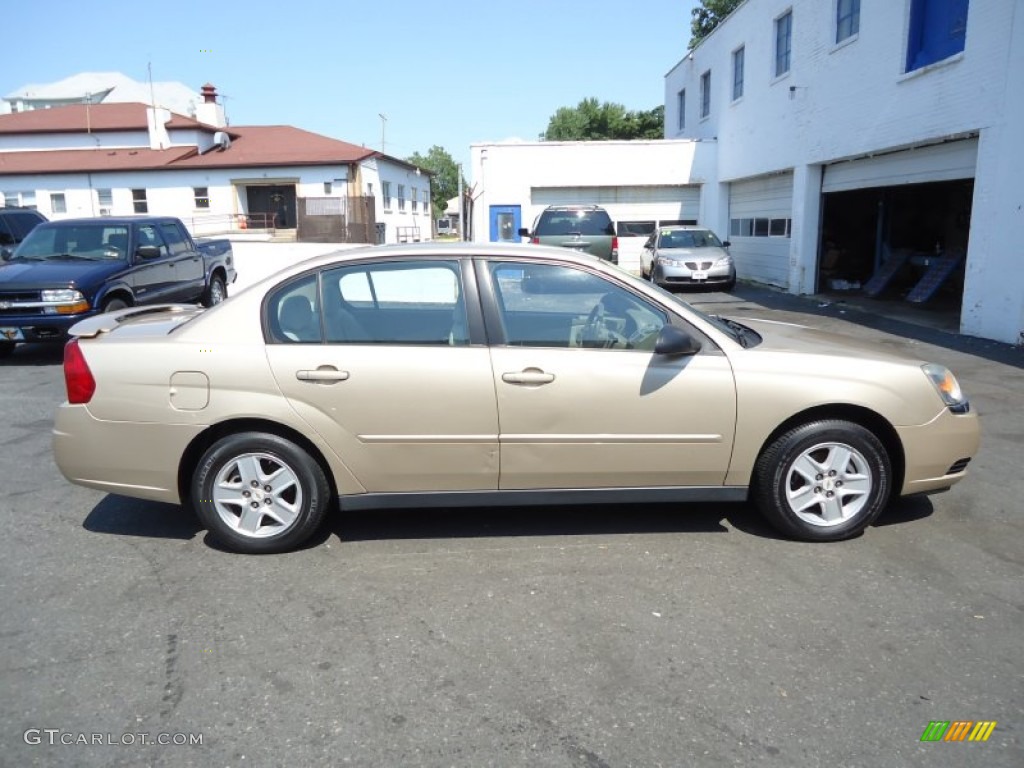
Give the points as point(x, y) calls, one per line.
point(482, 375)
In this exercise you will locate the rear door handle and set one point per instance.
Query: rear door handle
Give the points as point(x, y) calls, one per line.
point(529, 376)
point(322, 374)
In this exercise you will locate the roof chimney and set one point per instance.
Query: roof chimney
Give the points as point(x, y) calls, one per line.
point(209, 111)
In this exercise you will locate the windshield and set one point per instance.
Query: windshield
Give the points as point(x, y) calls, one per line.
point(88, 242)
point(688, 238)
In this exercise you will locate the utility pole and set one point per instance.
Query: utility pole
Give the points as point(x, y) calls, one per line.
point(383, 129)
point(462, 206)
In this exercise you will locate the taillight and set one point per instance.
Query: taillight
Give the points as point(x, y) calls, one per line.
point(615, 249)
point(535, 240)
point(77, 377)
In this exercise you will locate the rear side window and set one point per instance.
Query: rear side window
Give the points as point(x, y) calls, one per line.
point(174, 237)
point(293, 313)
point(586, 222)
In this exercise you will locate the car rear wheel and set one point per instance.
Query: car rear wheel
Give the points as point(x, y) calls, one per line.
point(259, 493)
point(823, 481)
point(215, 292)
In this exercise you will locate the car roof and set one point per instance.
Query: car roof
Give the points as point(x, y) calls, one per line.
point(111, 220)
point(684, 228)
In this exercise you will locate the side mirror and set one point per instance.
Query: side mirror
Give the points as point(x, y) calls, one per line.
point(6, 253)
point(675, 341)
point(148, 252)
point(726, 243)
point(524, 232)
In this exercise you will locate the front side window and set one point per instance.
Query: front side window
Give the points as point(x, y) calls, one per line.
point(400, 303)
point(546, 305)
point(705, 94)
point(783, 43)
point(847, 19)
point(738, 57)
point(139, 202)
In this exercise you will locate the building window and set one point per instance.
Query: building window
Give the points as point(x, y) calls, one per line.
point(737, 72)
point(58, 204)
point(681, 108)
point(426, 200)
point(415, 199)
point(938, 30)
point(139, 201)
point(23, 199)
point(202, 195)
point(705, 94)
point(105, 198)
point(369, 189)
point(327, 187)
point(760, 227)
point(847, 19)
point(401, 197)
point(385, 191)
point(783, 43)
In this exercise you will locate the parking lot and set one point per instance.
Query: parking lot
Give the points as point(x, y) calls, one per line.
point(663, 635)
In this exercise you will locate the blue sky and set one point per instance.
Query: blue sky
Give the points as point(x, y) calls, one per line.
point(479, 71)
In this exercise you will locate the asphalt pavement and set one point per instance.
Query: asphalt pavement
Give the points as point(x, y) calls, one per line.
point(663, 635)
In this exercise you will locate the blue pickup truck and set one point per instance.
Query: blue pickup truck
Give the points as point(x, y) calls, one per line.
point(64, 271)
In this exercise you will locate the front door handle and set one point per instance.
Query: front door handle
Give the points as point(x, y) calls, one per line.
point(322, 375)
point(529, 376)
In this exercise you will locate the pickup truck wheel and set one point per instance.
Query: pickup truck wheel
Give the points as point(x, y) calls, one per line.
point(112, 305)
point(215, 292)
point(259, 493)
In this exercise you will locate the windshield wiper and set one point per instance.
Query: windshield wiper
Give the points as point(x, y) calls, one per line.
point(745, 336)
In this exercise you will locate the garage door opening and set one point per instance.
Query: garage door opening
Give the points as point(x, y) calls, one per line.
point(906, 243)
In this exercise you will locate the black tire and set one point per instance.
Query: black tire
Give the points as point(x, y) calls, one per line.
point(215, 292)
point(112, 305)
point(299, 483)
point(842, 499)
point(6, 349)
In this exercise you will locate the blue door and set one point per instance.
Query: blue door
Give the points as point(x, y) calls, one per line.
point(505, 223)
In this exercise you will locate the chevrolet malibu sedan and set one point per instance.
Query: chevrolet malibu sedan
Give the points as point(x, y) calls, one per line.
point(687, 256)
point(487, 375)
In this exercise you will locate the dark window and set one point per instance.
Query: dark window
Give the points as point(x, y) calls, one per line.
point(681, 108)
point(635, 228)
point(174, 237)
point(778, 227)
point(20, 223)
point(568, 222)
point(293, 314)
point(148, 234)
point(847, 19)
point(760, 227)
point(783, 43)
point(396, 303)
point(676, 222)
point(938, 30)
point(737, 72)
point(705, 94)
point(543, 305)
point(202, 195)
point(139, 201)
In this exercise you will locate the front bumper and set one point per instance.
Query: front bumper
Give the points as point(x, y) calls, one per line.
point(38, 328)
point(681, 275)
point(937, 453)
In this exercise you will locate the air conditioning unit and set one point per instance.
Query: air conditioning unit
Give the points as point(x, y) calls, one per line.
point(104, 211)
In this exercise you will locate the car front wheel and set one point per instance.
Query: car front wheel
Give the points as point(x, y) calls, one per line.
point(259, 493)
point(823, 481)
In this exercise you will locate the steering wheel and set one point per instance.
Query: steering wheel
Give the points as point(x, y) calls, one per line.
point(591, 334)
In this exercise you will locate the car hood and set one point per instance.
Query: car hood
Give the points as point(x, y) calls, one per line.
point(19, 274)
point(698, 254)
point(790, 337)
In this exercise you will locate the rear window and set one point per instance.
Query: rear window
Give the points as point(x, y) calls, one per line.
point(574, 222)
point(21, 223)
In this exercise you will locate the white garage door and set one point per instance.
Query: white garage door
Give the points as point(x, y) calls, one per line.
point(939, 162)
point(636, 210)
point(760, 220)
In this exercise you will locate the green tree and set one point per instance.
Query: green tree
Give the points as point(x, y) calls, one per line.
point(709, 15)
point(591, 120)
point(445, 182)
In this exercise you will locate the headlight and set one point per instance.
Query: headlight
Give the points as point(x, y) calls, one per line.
point(62, 296)
point(724, 261)
point(947, 386)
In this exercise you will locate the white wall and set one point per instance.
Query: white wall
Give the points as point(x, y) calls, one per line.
point(379, 170)
point(853, 100)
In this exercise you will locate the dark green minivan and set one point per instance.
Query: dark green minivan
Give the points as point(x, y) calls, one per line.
point(580, 227)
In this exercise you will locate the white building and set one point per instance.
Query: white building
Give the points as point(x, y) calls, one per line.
point(642, 185)
point(866, 132)
point(101, 88)
point(119, 159)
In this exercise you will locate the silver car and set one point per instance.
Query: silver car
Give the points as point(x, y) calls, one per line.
point(687, 255)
